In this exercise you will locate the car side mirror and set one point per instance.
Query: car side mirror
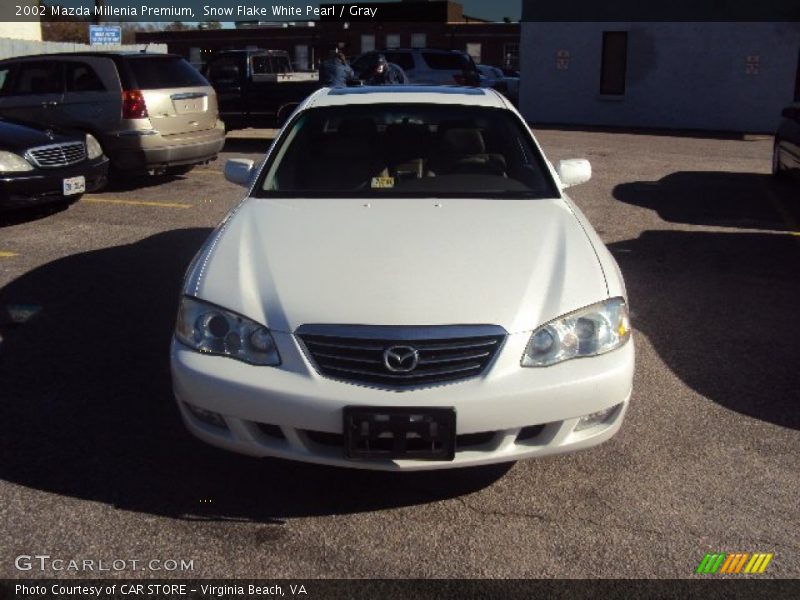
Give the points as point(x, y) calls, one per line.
point(574, 171)
point(239, 170)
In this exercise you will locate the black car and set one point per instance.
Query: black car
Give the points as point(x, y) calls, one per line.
point(41, 166)
point(786, 152)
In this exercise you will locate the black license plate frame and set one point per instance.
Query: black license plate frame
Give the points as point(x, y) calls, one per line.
point(400, 432)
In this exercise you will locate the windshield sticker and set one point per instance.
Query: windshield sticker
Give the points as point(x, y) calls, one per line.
point(383, 182)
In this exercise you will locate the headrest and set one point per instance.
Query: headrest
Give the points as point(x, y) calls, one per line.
point(357, 127)
point(463, 141)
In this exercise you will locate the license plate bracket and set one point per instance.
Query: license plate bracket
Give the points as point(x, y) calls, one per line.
point(412, 433)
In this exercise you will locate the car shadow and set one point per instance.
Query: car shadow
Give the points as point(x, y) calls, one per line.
point(26, 215)
point(86, 408)
point(742, 200)
point(127, 182)
point(720, 309)
point(704, 134)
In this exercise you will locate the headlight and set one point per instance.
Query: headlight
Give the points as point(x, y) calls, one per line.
point(214, 330)
point(93, 147)
point(593, 330)
point(13, 163)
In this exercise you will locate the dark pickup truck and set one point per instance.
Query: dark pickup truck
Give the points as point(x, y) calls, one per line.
point(257, 88)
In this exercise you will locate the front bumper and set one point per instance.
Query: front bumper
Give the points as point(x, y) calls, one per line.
point(508, 413)
point(44, 186)
point(148, 149)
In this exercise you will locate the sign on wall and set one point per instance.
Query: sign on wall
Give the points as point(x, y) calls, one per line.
point(562, 60)
point(105, 35)
point(751, 65)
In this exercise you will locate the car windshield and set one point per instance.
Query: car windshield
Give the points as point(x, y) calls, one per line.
point(406, 150)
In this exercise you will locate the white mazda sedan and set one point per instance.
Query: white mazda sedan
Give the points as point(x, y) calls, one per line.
point(404, 286)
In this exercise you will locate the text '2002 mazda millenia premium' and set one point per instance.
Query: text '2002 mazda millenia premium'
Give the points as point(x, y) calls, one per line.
point(404, 287)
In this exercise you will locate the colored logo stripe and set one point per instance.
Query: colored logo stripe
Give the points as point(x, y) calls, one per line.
point(723, 563)
point(758, 564)
point(734, 563)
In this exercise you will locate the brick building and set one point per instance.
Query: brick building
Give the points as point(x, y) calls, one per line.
point(437, 24)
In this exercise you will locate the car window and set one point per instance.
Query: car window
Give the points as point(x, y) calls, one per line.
point(155, 72)
point(407, 150)
point(265, 63)
point(404, 60)
point(5, 79)
point(38, 77)
point(80, 77)
point(225, 69)
point(449, 61)
point(365, 62)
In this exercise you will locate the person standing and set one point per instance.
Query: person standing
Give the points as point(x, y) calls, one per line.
point(334, 70)
point(387, 73)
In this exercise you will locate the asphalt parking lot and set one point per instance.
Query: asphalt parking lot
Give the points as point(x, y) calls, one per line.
point(96, 464)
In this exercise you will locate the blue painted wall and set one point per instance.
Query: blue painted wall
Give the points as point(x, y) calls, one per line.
point(679, 75)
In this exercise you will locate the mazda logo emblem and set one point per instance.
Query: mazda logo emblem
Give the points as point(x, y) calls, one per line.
point(401, 359)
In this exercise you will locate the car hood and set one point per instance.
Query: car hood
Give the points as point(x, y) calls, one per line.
point(18, 136)
point(511, 263)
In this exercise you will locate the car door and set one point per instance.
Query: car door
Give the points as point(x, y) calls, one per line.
point(405, 60)
point(92, 94)
point(34, 92)
point(227, 73)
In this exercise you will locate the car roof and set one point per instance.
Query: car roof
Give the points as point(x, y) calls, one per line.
point(253, 51)
point(102, 53)
point(406, 94)
point(422, 49)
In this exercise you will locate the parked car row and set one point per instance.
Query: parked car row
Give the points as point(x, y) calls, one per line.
point(156, 113)
point(148, 111)
point(144, 112)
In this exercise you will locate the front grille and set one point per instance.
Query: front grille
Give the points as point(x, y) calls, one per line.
point(58, 155)
point(358, 354)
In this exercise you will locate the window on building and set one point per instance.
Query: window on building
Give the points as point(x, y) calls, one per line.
point(367, 42)
point(196, 56)
point(511, 56)
point(614, 63)
point(301, 57)
point(474, 50)
point(5, 79)
point(392, 40)
point(418, 40)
